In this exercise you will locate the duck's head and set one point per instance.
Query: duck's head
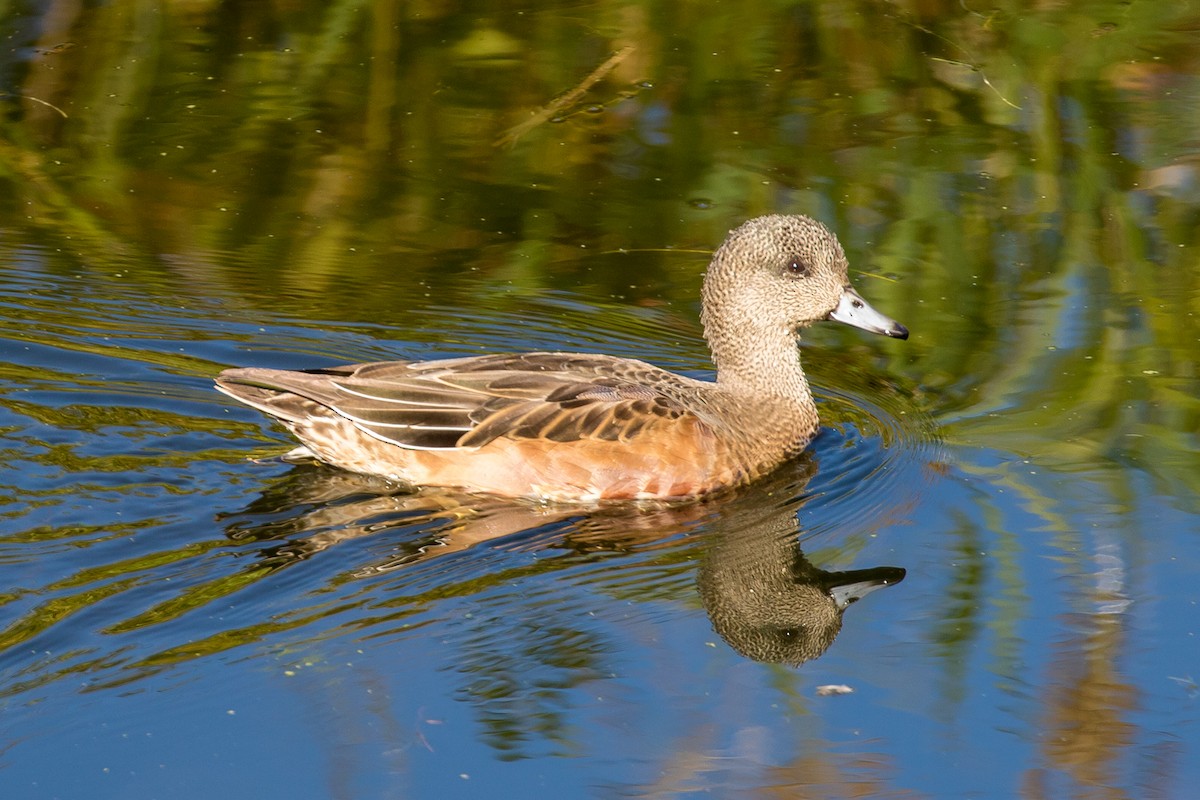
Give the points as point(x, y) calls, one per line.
point(785, 271)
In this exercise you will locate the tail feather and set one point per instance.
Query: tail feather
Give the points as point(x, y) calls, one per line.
point(253, 387)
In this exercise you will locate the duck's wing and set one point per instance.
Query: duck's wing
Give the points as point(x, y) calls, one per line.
point(468, 402)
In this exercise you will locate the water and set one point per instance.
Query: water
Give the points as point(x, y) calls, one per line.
point(182, 614)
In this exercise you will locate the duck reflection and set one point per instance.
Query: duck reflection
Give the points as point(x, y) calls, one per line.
point(768, 601)
point(762, 594)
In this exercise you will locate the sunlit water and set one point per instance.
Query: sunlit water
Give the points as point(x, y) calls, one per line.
point(177, 609)
point(189, 187)
point(158, 564)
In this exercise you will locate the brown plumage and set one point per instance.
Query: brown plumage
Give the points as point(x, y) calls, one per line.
point(572, 427)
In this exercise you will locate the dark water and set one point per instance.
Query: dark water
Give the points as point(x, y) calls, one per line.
point(183, 615)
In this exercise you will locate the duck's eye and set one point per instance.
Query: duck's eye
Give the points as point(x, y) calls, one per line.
point(796, 269)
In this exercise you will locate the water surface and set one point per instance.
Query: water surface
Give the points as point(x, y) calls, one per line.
point(192, 188)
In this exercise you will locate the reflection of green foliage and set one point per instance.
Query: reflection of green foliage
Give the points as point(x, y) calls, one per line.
point(1018, 186)
point(522, 697)
point(251, 164)
point(959, 627)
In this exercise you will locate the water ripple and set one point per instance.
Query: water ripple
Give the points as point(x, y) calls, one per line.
point(145, 539)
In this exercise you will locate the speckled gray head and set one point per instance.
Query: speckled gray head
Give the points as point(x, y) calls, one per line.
point(789, 270)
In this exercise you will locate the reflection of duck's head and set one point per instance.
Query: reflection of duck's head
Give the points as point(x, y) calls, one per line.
point(769, 602)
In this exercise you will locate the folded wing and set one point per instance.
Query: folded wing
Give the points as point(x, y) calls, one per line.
point(468, 402)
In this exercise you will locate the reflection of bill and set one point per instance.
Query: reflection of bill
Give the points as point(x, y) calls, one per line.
point(763, 596)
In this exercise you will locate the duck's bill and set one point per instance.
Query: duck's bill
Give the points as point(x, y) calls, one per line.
point(850, 587)
point(853, 310)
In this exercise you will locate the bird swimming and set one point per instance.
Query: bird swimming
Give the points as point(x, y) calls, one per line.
point(572, 427)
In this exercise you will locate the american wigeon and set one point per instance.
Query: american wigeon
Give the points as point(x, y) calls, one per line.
point(573, 427)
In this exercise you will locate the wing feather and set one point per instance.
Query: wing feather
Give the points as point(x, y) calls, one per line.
point(559, 397)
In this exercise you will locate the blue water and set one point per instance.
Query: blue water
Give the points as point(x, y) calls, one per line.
point(190, 187)
point(182, 620)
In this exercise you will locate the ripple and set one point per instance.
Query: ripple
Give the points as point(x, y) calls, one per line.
point(158, 543)
point(875, 456)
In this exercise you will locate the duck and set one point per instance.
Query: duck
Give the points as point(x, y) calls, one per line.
point(588, 428)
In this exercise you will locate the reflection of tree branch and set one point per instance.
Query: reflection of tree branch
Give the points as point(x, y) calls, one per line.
point(978, 69)
point(36, 100)
point(564, 100)
point(971, 66)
